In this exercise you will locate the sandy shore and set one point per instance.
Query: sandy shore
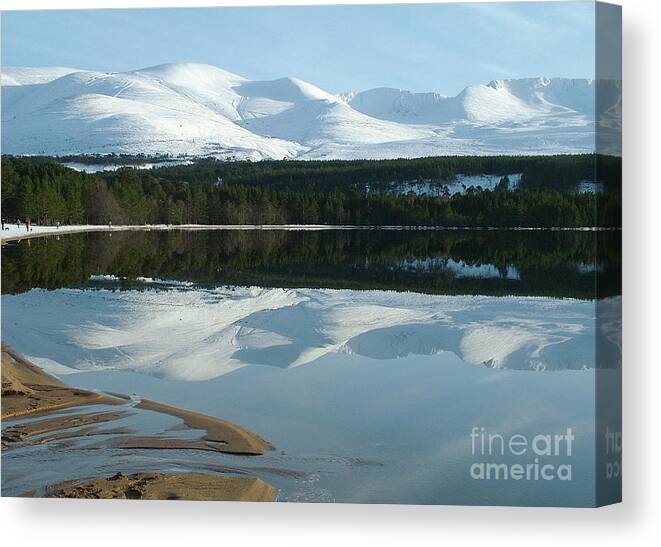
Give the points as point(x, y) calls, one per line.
point(28, 391)
point(158, 486)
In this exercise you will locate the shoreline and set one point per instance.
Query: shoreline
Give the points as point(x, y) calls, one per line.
point(167, 486)
point(28, 392)
point(16, 234)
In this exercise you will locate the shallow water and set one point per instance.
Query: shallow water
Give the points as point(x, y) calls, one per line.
point(354, 429)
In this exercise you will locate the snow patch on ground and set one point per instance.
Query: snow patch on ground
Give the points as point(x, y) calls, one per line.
point(17, 231)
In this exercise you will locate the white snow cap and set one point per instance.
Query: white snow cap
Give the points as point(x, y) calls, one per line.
point(197, 109)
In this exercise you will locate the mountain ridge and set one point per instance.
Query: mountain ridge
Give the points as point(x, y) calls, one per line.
point(190, 109)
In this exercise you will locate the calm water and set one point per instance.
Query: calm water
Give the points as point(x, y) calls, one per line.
point(366, 358)
point(538, 263)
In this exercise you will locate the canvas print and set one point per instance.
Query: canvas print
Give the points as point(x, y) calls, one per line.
point(341, 253)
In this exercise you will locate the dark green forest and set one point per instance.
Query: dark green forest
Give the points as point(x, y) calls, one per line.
point(328, 192)
point(561, 172)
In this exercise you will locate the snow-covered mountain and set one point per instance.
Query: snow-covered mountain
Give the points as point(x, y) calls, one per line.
point(193, 109)
point(29, 76)
point(501, 101)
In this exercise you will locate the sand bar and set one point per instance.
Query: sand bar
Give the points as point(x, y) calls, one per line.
point(158, 486)
point(19, 432)
point(28, 390)
point(234, 439)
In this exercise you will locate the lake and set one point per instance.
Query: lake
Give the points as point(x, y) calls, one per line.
point(371, 360)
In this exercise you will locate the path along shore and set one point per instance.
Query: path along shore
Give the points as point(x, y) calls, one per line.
point(14, 232)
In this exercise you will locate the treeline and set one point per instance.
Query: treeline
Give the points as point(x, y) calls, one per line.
point(47, 193)
point(562, 172)
point(103, 159)
point(565, 172)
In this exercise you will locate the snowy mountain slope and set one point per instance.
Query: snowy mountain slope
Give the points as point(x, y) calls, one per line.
point(202, 85)
point(91, 112)
point(28, 76)
point(499, 101)
point(193, 109)
point(291, 90)
point(317, 122)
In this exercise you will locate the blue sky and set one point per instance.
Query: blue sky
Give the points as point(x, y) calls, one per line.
point(441, 47)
